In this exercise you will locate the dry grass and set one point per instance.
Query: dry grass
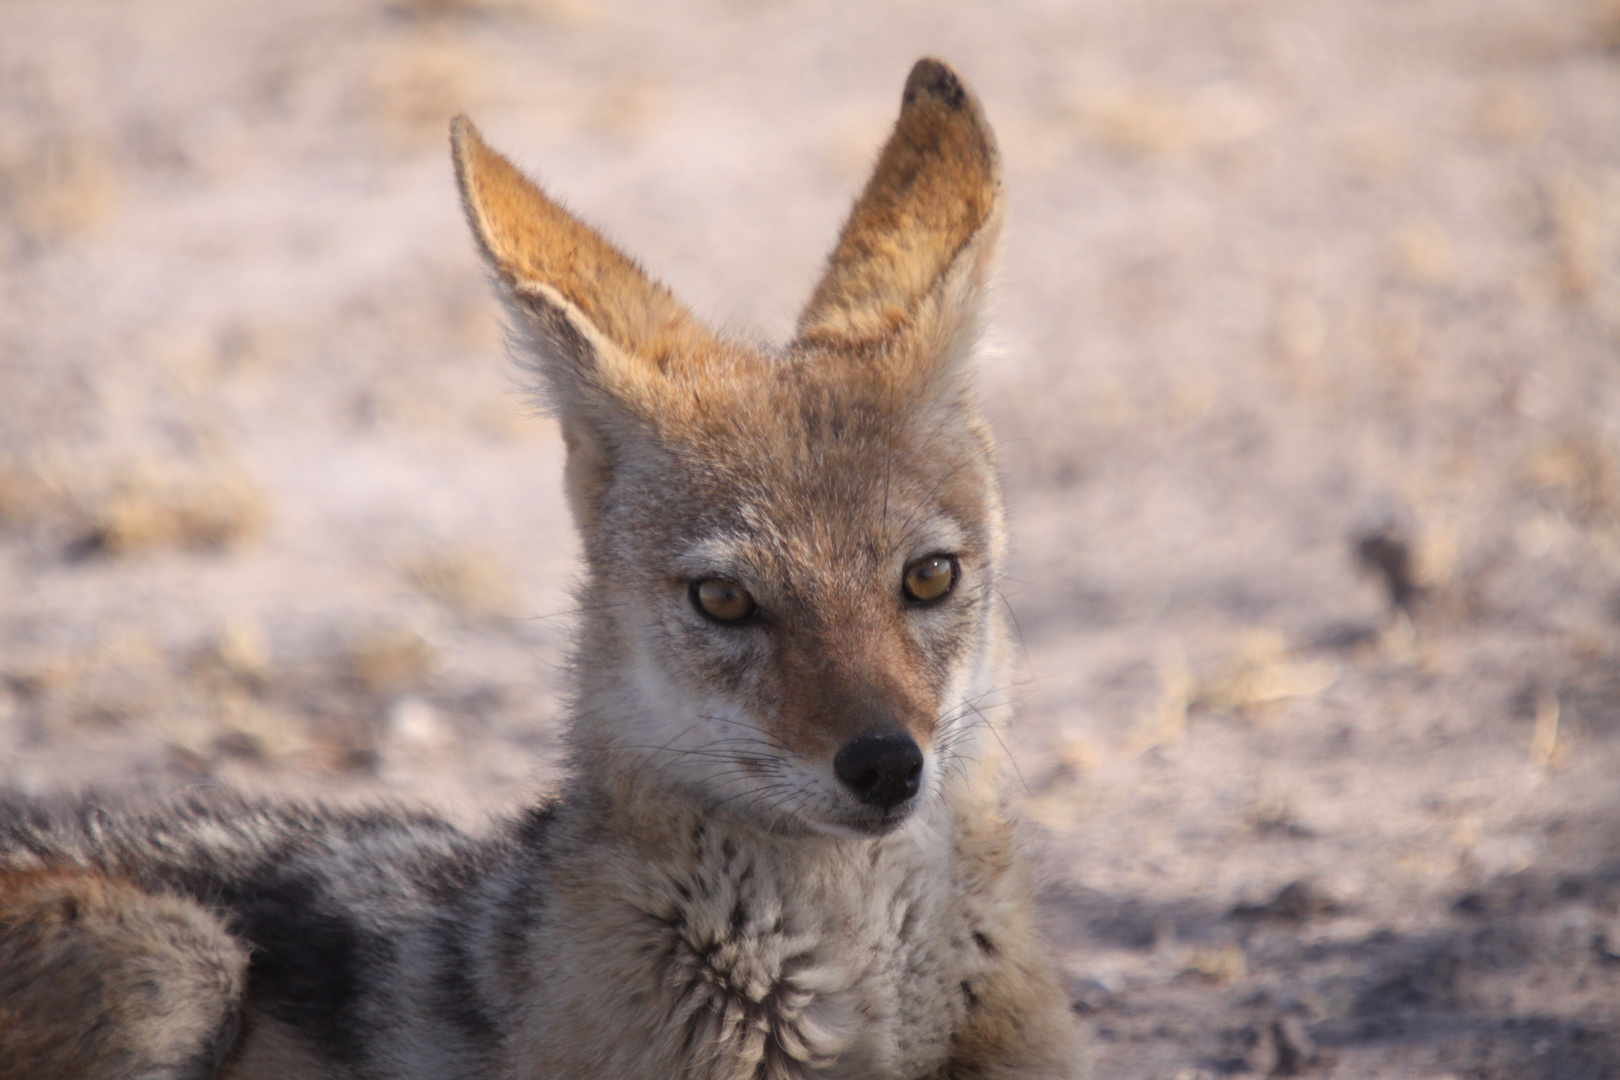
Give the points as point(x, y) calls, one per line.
point(212, 705)
point(1155, 122)
point(1512, 113)
point(470, 579)
point(57, 187)
point(1375, 153)
point(1547, 749)
point(1580, 240)
point(238, 655)
point(1218, 964)
point(626, 110)
point(26, 496)
point(196, 362)
point(230, 723)
point(1425, 253)
point(1273, 814)
point(1262, 671)
point(414, 82)
point(117, 682)
point(1299, 331)
point(389, 660)
point(1167, 726)
point(1437, 555)
point(230, 715)
point(564, 12)
point(156, 506)
point(122, 508)
point(1582, 472)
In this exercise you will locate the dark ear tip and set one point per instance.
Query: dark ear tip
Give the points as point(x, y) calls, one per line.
point(462, 133)
point(935, 79)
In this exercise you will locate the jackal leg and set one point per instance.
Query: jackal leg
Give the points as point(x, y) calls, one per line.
point(101, 981)
point(1019, 1027)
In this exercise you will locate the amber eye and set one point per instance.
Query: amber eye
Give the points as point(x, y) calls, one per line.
point(931, 578)
point(722, 600)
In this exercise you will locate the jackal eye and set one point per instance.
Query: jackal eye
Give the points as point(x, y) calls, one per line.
point(930, 578)
point(722, 600)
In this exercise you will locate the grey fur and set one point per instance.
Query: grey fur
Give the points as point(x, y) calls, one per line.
point(706, 898)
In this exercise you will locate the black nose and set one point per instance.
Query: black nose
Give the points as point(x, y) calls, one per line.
point(882, 769)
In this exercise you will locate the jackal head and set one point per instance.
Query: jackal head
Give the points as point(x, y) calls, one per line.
point(791, 554)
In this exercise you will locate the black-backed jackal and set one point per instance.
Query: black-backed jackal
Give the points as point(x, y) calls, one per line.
point(781, 851)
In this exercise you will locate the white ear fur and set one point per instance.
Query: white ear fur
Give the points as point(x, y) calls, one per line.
point(574, 362)
point(596, 330)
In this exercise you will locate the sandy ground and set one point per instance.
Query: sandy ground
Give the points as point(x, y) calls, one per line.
point(1308, 374)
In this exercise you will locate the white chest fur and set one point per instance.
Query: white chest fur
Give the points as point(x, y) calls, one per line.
point(732, 955)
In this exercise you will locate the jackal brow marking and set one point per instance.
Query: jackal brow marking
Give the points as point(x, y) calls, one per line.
point(781, 851)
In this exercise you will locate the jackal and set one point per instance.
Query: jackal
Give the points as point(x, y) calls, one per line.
point(781, 851)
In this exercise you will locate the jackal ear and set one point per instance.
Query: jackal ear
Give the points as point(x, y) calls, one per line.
point(912, 260)
point(599, 331)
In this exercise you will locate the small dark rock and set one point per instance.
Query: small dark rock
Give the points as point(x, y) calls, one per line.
point(1390, 555)
point(240, 745)
point(1606, 947)
point(1261, 1057)
point(1088, 995)
point(1345, 636)
point(1295, 1049)
point(1294, 902)
point(188, 762)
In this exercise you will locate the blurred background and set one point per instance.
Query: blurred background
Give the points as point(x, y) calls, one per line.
point(1307, 371)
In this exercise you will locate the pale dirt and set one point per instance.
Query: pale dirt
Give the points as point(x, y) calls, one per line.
point(1281, 277)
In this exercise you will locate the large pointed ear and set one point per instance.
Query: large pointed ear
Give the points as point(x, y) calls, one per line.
point(913, 257)
point(601, 332)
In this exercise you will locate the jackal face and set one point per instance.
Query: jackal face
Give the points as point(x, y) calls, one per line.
point(792, 554)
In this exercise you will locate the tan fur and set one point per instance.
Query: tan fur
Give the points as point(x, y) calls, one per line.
point(272, 1051)
point(933, 202)
point(101, 981)
point(528, 238)
point(717, 893)
point(881, 359)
